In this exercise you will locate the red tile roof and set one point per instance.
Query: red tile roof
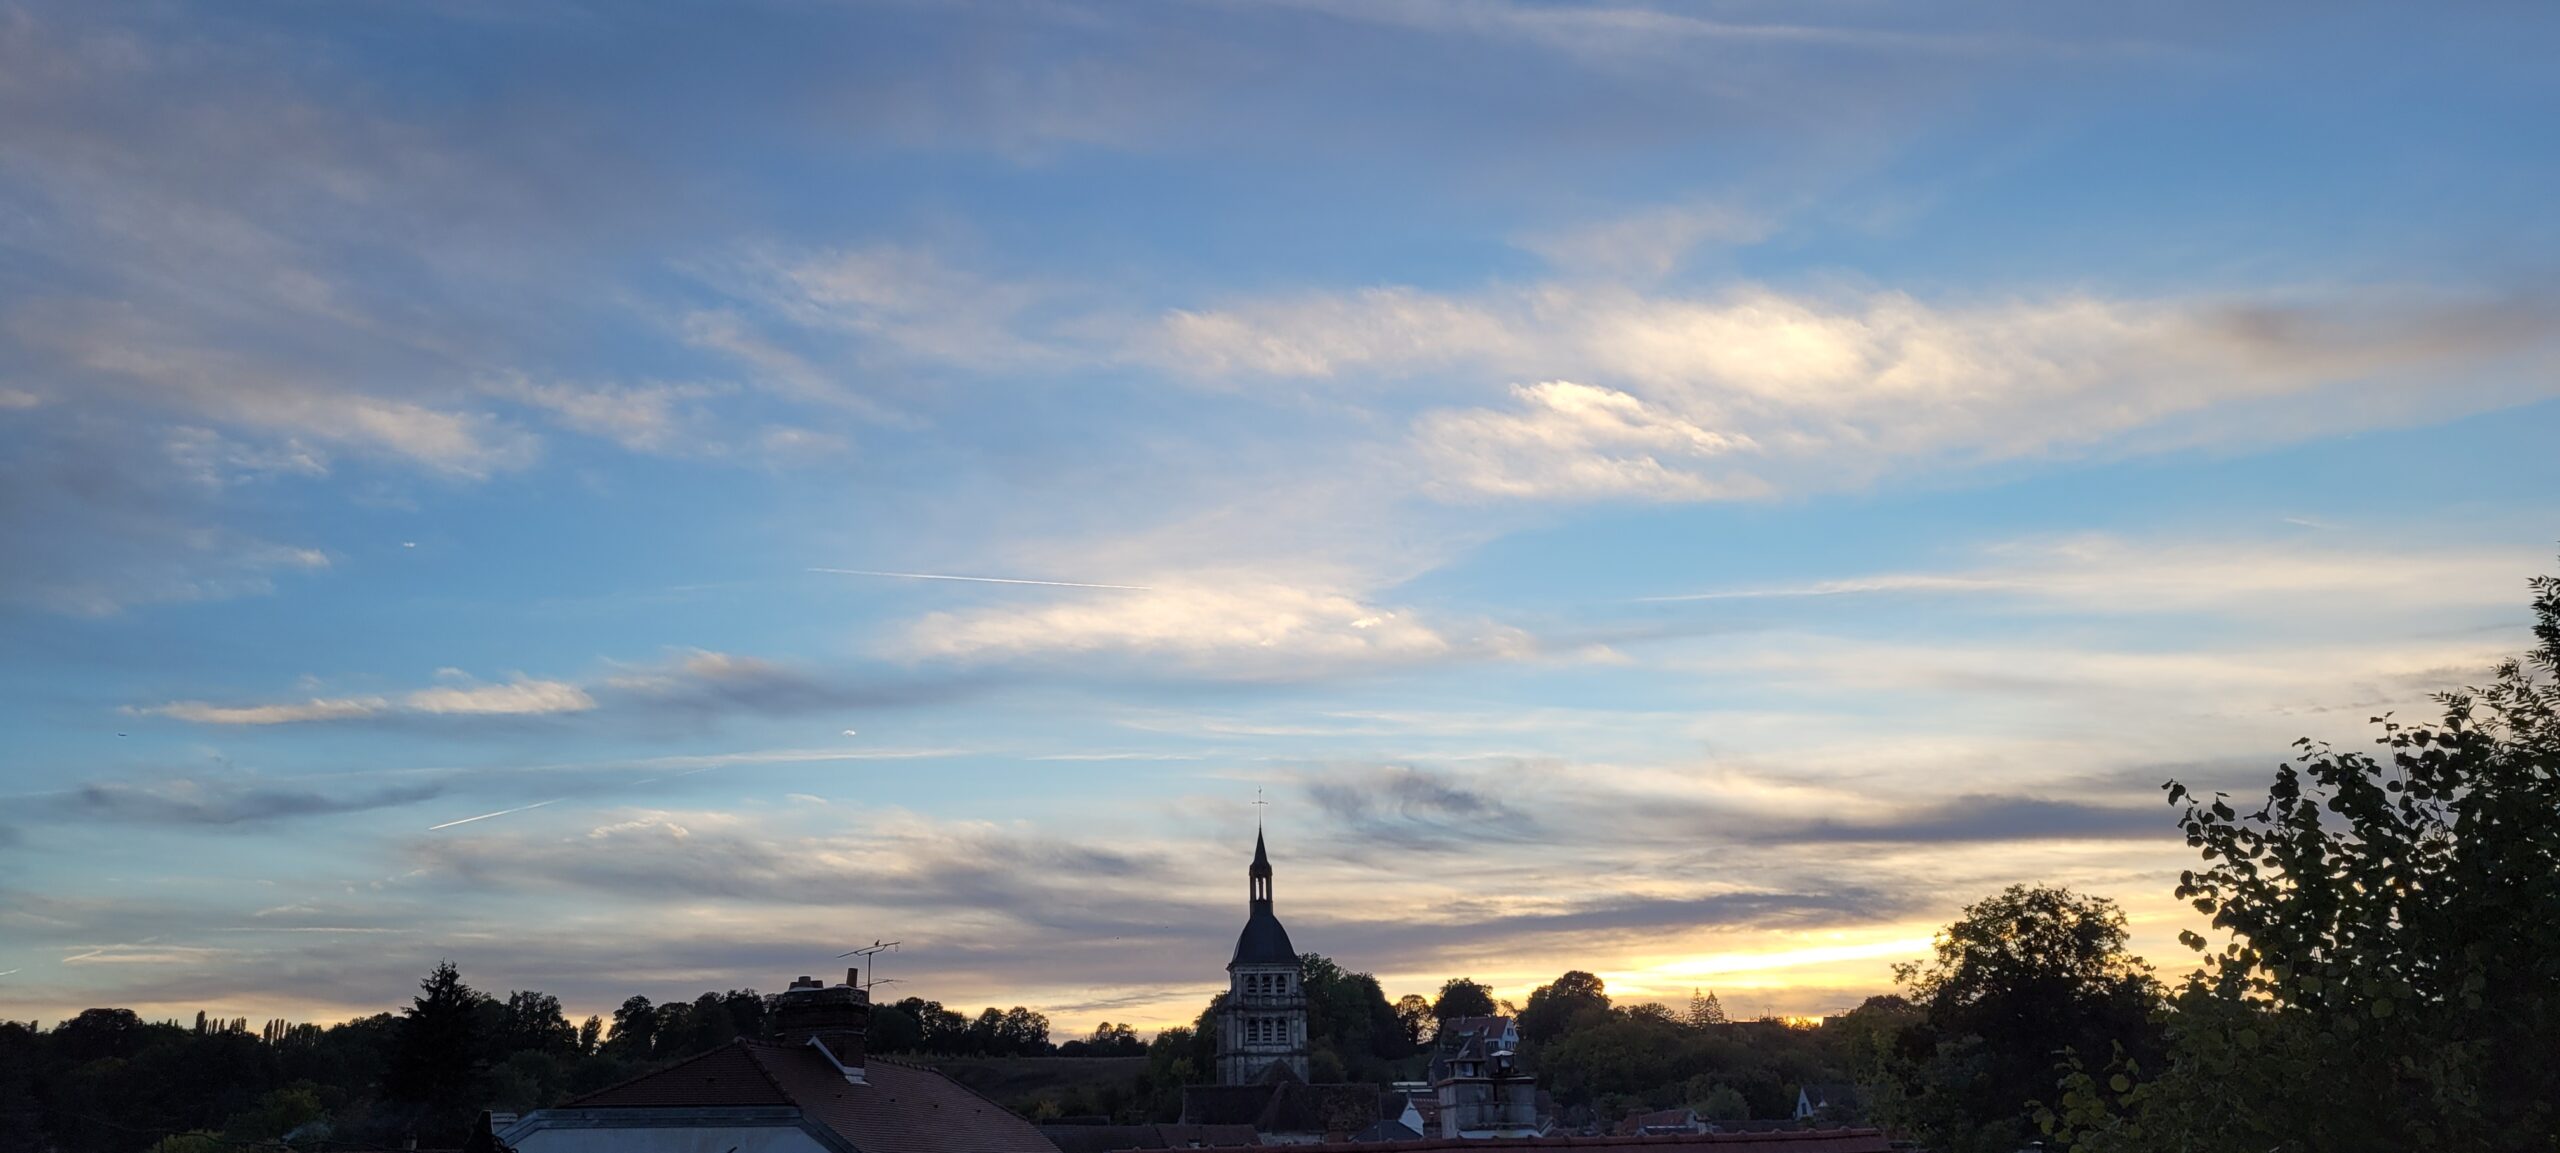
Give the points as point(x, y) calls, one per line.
point(1784, 1141)
point(900, 1109)
point(727, 1076)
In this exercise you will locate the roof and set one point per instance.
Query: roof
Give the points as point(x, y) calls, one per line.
point(1387, 1131)
point(1263, 941)
point(1658, 1120)
point(1115, 1138)
point(900, 1108)
point(728, 1076)
point(1285, 1107)
point(1788, 1141)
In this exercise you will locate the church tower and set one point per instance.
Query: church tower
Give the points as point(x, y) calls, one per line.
point(1265, 1020)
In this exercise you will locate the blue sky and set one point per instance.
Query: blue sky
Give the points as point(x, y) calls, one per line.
point(1694, 493)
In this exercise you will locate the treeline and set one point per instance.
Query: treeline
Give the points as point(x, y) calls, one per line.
point(108, 1081)
point(2384, 972)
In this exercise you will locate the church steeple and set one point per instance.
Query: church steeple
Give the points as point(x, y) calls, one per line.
point(1258, 883)
point(1262, 1028)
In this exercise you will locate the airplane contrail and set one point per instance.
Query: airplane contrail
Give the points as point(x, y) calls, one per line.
point(933, 576)
point(499, 813)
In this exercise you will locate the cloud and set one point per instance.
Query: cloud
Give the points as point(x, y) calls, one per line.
point(1239, 626)
point(184, 801)
point(703, 683)
point(524, 696)
point(967, 869)
point(1754, 390)
point(1647, 244)
point(2108, 573)
point(642, 418)
point(315, 709)
point(1576, 441)
point(1984, 818)
point(521, 697)
point(1398, 807)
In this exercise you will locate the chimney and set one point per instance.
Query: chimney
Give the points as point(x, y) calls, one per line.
point(832, 1017)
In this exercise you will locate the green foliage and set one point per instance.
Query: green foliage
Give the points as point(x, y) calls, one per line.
point(1553, 1006)
point(1704, 1010)
point(2021, 980)
point(1462, 997)
point(1413, 1017)
point(1612, 1060)
point(438, 1052)
point(1349, 1018)
point(2392, 977)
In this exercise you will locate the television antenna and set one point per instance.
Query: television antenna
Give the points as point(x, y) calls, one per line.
point(869, 965)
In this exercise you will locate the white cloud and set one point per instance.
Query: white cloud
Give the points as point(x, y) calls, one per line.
point(521, 697)
point(1322, 335)
point(1574, 440)
point(2095, 572)
point(643, 418)
point(1242, 626)
point(315, 709)
point(1833, 392)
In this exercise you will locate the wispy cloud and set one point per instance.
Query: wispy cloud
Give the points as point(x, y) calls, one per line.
point(1233, 626)
point(213, 802)
point(926, 576)
point(520, 697)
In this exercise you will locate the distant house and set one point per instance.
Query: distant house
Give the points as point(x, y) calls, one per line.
point(1831, 1101)
point(1486, 1034)
point(1640, 1123)
point(1481, 1091)
point(815, 1091)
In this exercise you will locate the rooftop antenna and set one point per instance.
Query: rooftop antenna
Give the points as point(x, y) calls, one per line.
point(870, 965)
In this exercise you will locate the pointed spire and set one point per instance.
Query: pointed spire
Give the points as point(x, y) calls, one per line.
point(1258, 878)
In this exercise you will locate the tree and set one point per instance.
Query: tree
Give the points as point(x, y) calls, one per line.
point(590, 1034)
point(1413, 1016)
point(437, 1053)
point(1461, 997)
point(1723, 1103)
point(1109, 1040)
point(2021, 979)
point(1704, 1010)
point(1553, 1006)
point(2394, 949)
point(635, 1029)
point(1348, 1015)
point(532, 1021)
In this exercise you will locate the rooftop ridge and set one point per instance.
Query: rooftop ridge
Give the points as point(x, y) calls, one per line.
point(579, 1101)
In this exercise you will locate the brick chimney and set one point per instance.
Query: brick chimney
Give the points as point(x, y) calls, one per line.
point(832, 1017)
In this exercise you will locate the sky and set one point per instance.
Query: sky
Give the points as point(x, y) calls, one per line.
point(641, 498)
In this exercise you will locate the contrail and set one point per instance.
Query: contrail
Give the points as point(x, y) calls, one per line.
point(499, 813)
point(933, 576)
point(6, 972)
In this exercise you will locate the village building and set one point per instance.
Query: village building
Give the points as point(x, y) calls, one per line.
point(1265, 1019)
point(1482, 1092)
point(812, 1091)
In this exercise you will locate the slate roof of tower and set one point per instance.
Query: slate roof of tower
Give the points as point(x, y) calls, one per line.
point(1263, 941)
